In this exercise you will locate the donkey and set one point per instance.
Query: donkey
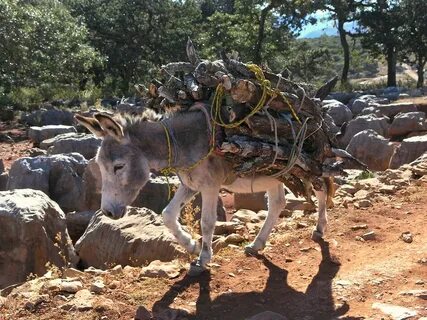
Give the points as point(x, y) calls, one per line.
point(132, 147)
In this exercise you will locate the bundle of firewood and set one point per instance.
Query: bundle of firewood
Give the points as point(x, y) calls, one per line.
point(270, 124)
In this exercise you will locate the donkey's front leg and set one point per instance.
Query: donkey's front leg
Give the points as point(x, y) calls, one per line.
point(276, 203)
point(209, 206)
point(170, 218)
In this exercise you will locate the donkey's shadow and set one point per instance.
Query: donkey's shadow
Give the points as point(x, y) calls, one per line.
point(315, 303)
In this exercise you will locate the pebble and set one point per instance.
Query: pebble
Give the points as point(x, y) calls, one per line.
point(422, 294)
point(359, 227)
point(369, 236)
point(407, 237)
point(97, 287)
point(72, 273)
point(117, 269)
point(70, 286)
point(396, 312)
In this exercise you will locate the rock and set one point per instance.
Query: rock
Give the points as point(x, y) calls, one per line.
point(405, 123)
point(234, 238)
point(72, 273)
point(85, 144)
point(252, 201)
point(343, 97)
point(1, 166)
point(4, 177)
point(44, 117)
point(396, 312)
point(372, 149)
point(139, 237)
point(339, 112)
point(32, 233)
point(244, 216)
point(419, 166)
point(409, 150)
point(158, 269)
point(407, 237)
point(391, 110)
point(388, 189)
point(359, 227)
point(363, 194)
point(58, 176)
point(142, 314)
point(422, 294)
point(378, 124)
point(171, 314)
point(358, 106)
point(227, 227)
point(35, 152)
point(118, 269)
point(70, 286)
point(219, 244)
point(97, 287)
point(38, 134)
point(77, 223)
point(348, 188)
point(369, 236)
point(267, 315)
point(83, 301)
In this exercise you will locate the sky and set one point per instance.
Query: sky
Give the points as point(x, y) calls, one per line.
point(323, 26)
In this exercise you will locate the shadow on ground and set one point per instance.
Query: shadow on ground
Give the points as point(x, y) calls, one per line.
point(315, 303)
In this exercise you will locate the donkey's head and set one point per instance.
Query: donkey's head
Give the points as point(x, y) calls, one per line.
point(124, 168)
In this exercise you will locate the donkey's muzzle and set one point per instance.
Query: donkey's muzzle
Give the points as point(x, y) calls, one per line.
point(114, 215)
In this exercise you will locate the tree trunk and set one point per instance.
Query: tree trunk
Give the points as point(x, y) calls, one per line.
point(420, 71)
point(391, 67)
point(346, 51)
point(261, 34)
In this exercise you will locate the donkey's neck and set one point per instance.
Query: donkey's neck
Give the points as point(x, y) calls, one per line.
point(186, 141)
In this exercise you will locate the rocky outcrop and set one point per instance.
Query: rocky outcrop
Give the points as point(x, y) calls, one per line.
point(378, 124)
point(410, 122)
point(137, 238)
point(85, 144)
point(32, 233)
point(59, 176)
point(339, 112)
point(44, 117)
point(409, 150)
point(38, 134)
point(372, 149)
point(391, 110)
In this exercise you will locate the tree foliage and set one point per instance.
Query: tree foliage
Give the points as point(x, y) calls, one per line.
point(40, 42)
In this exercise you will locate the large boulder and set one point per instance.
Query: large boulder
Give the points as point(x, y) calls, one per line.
point(77, 223)
point(44, 117)
point(339, 112)
point(38, 134)
point(379, 124)
point(405, 123)
point(372, 149)
point(85, 144)
point(358, 105)
point(59, 176)
point(343, 97)
point(137, 238)
point(409, 150)
point(392, 109)
point(32, 233)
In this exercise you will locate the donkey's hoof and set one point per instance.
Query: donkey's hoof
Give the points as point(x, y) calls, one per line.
point(250, 250)
point(316, 236)
point(196, 269)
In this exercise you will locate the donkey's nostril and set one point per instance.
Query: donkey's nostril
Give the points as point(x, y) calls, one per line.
point(107, 213)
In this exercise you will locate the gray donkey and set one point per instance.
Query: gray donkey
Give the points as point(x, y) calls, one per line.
point(131, 147)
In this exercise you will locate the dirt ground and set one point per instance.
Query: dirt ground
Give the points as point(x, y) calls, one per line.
point(340, 277)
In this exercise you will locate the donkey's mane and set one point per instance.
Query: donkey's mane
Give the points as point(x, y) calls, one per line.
point(148, 115)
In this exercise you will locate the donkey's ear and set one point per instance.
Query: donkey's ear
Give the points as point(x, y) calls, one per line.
point(91, 124)
point(110, 126)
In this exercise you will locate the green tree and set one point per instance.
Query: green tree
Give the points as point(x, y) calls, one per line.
point(40, 42)
point(343, 11)
point(137, 36)
point(415, 35)
point(382, 26)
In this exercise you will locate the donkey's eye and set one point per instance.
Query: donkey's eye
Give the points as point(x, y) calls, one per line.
point(118, 167)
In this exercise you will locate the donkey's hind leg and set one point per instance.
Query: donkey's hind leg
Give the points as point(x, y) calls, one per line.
point(276, 202)
point(322, 219)
point(209, 205)
point(170, 218)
